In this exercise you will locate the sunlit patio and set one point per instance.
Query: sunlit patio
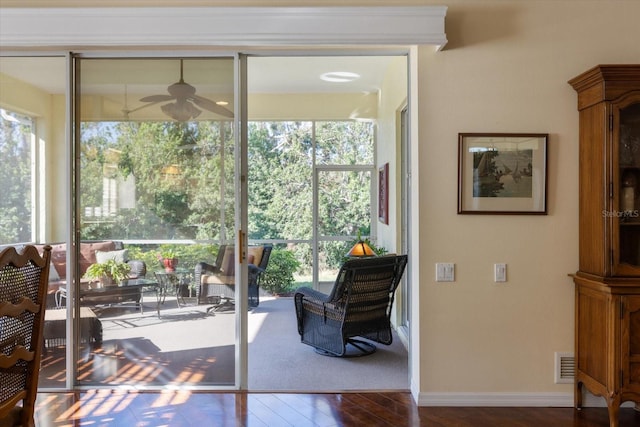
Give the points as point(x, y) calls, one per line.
point(145, 350)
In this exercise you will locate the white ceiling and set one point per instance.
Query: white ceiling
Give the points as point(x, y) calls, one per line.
point(302, 75)
point(265, 74)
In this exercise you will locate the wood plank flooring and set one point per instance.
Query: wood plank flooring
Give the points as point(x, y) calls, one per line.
point(203, 409)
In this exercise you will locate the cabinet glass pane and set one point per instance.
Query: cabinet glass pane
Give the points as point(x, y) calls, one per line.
point(630, 184)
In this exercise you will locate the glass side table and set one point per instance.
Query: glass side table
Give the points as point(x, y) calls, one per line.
point(173, 283)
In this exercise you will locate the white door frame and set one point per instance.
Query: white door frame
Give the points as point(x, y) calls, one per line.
point(32, 31)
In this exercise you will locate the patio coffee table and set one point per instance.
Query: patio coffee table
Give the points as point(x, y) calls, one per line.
point(131, 290)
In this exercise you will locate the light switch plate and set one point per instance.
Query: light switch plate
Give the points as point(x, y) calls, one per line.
point(500, 272)
point(445, 272)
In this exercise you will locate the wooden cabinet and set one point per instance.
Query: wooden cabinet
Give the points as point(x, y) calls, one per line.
point(607, 302)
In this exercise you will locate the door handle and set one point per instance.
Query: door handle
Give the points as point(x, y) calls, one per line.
point(241, 239)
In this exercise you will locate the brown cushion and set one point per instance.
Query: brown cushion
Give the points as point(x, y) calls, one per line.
point(217, 279)
point(59, 259)
point(88, 253)
point(228, 267)
point(256, 251)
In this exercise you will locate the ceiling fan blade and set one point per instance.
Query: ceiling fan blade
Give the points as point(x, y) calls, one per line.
point(156, 98)
point(207, 104)
point(133, 110)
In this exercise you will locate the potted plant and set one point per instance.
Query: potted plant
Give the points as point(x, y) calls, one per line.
point(109, 272)
point(169, 259)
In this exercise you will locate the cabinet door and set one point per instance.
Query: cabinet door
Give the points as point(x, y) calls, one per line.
point(625, 187)
point(630, 343)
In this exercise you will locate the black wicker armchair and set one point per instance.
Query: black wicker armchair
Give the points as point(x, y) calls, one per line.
point(359, 305)
point(217, 282)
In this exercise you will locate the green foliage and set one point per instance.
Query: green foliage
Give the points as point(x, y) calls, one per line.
point(344, 142)
point(181, 177)
point(280, 176)
point(188, 254)
point(168, 252)
point(280, 193)
point(177, 171)
point(171, 206)
point(278, 277)
point(146, 254)
point(15, 175)
point(118, 271)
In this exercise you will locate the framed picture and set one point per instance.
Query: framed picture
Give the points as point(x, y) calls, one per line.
point(383, 193)
point(502, 173)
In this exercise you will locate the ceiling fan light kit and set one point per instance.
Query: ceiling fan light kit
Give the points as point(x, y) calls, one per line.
point(180, 111)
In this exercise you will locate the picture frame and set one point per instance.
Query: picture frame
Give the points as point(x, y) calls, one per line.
point(383, 193)
point(502, 173)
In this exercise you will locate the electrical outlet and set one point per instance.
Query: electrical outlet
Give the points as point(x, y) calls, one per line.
point(445, 272)
point(500, 272)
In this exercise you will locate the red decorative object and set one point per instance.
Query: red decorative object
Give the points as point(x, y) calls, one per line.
point(383, 194)
point(170, 264)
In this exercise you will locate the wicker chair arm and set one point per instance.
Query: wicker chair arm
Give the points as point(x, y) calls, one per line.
point(254, 273)
point(315, 307)
point(254, 269)
point(311, 295)
point(204, 268)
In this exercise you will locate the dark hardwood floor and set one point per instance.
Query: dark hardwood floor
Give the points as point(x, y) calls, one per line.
point(102, 408)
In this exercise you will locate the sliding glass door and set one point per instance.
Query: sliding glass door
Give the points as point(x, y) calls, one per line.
point(154, 173)
point(156, 196)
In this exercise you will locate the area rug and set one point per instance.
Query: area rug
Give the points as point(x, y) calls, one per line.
point(278, 361)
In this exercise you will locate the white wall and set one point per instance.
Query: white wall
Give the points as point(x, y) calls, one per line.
point(393, 98)
point(506, 69)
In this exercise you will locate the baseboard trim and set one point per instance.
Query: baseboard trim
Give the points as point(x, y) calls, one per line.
point(495, 399)
point(560, 400)
point(508, 399)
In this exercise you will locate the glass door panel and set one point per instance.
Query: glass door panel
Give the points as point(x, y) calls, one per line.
point(155, 190)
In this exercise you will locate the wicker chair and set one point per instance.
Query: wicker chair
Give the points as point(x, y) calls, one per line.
point(359, 305)
point(23, 290)
point(217, 282)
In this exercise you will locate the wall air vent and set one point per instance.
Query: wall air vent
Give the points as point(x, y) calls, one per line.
point(565, 367)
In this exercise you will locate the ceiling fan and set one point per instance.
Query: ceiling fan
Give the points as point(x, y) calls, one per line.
point(126, 111)
point(185, 96)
